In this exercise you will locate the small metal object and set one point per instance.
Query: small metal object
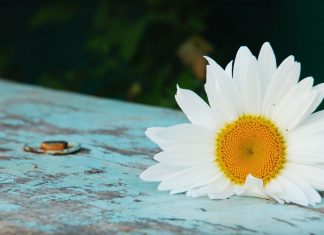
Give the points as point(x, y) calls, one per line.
point(56, 145)
point(53, 147)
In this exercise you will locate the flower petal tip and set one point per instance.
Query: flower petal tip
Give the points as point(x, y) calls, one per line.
point(209, 60)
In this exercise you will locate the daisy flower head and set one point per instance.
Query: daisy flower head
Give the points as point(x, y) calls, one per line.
point(257, 136)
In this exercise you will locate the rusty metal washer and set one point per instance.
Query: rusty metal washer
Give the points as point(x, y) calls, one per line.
point(68, 148)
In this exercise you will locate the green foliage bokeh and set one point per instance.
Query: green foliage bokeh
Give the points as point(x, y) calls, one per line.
point(128, 49)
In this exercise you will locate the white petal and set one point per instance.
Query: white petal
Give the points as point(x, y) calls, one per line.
point(160, 172)
point(267, 62)
point(315, 119)
point(298, 136)
point(320, 88)
point(282, 80)
point(309, 158)
point(191, 177)
point(309, 191)
point(241, 63)
point(291, 192)
point(320, 91)
point(273, 189)
point(169, 136)
point(307, 82)
point(313, 175)
point(220, 189)
point(305, 149)
point(213, 94)
point(196, 110)
point(228, 192)
point(252, 187)
point(295, 106)
point(178, 132)
point(251, 89)
point(198, 192)
point(229, 69)
point(318, 100)
point(312, 126)
point(195, 190)
point(224, 85)
point(217, 187)
point(192, 142)
point(222, 108)
point(189, 156)
point(220, 185)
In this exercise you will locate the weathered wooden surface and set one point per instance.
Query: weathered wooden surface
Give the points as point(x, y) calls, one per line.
point(98, 191)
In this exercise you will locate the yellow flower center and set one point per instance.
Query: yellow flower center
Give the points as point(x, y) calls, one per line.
point(250, 145)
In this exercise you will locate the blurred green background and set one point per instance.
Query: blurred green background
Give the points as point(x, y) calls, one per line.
point(139, 50)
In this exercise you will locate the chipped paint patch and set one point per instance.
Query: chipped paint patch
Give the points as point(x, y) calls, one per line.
point(6, 206)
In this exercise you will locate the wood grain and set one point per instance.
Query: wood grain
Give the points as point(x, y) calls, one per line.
point(97, 190)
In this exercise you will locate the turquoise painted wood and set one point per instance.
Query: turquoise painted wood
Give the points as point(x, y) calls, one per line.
point(98, 191)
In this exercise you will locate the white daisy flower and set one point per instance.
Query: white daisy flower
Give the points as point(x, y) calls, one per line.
point(257, 137)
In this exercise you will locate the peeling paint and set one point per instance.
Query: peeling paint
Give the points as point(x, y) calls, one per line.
point(94, 171)
point(97, 190)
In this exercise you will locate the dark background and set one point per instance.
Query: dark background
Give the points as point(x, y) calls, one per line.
point(139, 50)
